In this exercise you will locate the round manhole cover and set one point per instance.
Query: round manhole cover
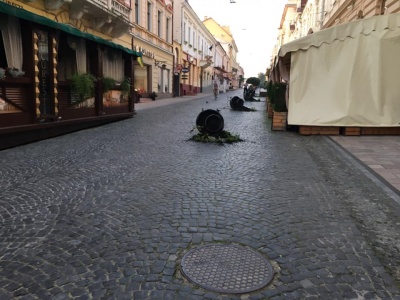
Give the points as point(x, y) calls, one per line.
point(227, 268)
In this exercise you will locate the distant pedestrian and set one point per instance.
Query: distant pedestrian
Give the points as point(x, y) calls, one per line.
point(215, 90)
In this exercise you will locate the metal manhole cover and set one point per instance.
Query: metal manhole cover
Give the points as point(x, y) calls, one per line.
point(227, 268)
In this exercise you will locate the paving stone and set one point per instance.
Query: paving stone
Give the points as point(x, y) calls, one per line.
point(109, 212)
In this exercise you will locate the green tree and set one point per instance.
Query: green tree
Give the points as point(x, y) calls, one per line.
point(262, 78)
point(253, 80)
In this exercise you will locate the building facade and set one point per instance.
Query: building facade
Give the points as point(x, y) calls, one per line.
point(194, 55)
point(226, 69)
point(339, 12)
point(152, 36)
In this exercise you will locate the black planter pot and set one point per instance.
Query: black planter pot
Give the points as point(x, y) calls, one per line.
point(210, 121)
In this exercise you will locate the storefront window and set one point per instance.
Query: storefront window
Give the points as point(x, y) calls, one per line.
point(141, 79)
point(11, 42)
point(3, 60)
point(66, 64)
point(113, 65)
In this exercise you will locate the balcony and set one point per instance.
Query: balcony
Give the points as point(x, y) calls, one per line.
point(111, 17)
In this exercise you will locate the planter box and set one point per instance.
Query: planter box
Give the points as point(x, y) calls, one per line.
point(279, 121)
point(351, 131)
point(380, 131)
point(319, 130)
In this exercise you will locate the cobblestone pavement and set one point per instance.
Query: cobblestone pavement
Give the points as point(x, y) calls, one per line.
point(109, 212)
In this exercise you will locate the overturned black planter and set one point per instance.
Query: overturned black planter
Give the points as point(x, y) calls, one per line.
point(236, 103)
point(210, 121)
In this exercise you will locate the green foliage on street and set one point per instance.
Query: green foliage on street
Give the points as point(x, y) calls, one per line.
point(224, 137)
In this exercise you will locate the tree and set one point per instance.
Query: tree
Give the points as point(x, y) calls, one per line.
point(253, 80)
point(262, 78)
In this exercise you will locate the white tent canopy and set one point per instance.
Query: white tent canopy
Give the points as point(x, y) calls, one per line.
point(347, 75)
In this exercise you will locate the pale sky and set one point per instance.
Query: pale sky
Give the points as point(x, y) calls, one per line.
point(254, 26)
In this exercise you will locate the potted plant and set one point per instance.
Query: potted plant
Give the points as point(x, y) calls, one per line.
point(2, 73)
point(153, 96)
point(278, 100)
point(15, 72)
point(279, 97)
point(108, 84)
point(126, 86)
point(269, 87)
point(83, 85)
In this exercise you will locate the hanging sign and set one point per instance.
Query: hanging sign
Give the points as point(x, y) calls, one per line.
point(185, 70)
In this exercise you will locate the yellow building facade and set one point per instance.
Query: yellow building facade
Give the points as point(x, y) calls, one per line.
point(229, 63)
point(152, 36)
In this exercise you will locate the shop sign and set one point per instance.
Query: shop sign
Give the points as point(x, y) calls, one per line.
point(44, 73)
point(184, 77)
point(144, 52)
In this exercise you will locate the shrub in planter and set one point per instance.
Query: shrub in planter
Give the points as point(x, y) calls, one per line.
point(268, 87)
point(279, 97)
point(126, 86)
point(108, 84)
point(83, 85)
point(2, 73)
point(16, 73)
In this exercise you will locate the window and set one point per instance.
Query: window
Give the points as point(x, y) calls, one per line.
point(190, 36)
point(141, 82)
point(194, 39)
point(159, 25)
point(67, 62)
point(184, 32)
point(148, 16)
point(137, 11)
point(3, 60)
point(167, 25)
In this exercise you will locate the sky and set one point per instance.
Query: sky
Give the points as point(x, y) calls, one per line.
point(254, 26)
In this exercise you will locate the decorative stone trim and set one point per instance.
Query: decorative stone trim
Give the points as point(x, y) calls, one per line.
point(36, 62)
point(55, 76)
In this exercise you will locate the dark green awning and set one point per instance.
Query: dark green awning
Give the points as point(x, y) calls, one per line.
point(26, 15)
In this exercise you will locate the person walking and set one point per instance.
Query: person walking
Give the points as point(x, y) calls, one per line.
point(215, 90)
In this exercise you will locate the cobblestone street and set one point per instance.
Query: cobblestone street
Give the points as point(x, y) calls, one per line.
point(109, 212)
